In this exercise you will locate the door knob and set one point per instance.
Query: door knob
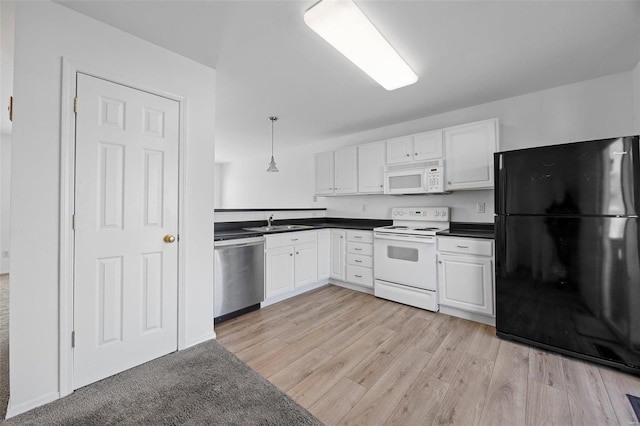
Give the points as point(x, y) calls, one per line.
point(169, 238)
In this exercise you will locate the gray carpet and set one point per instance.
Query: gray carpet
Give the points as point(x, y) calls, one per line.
point(203, 385)
point(4, 343)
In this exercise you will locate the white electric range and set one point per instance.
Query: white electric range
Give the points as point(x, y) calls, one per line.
point(405, 267)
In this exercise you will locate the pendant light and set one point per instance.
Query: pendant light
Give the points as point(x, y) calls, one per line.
point(272, 164)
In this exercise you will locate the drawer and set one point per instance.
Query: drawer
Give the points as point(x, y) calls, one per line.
point(359, 260)
point(465, 246)
point(360, 248)
point(360, 275)
point(290, 239)
point(360, 236)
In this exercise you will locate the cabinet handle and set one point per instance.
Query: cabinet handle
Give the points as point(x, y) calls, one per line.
point(449, 182)
point(340, 236)
point(294, 239)
point(290, 254)
point(439, 261)
point(381, 186)
point(416, 154)
point(359, 276)
point(297, 252)
point(464, 247)
point(408, 155)
point(357, 236)
point(358, 261)
point(357, 249)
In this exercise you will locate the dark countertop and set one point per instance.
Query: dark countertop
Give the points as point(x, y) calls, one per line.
point(470, 230)
point(234, 230)
point(265, 210)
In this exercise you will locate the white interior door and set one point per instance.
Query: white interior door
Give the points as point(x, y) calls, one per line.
point(126, 202)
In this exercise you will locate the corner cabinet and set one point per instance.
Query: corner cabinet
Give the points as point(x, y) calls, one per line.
point(338, 245)
point(324, 173)
point(469, 150)
point(371, 162)
point(465, 275)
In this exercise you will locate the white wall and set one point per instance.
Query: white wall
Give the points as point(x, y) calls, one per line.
point(5, 201)
point(592, 109)
point(45, 33)
point(217, 185)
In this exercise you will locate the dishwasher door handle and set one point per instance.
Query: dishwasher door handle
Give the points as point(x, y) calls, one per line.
point(239, 242)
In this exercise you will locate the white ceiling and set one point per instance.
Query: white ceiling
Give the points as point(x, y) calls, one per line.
point(464, 52)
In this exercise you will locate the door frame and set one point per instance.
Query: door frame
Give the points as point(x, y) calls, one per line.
point(67, 207)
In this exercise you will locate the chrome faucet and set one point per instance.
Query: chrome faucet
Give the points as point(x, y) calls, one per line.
point(269, 220)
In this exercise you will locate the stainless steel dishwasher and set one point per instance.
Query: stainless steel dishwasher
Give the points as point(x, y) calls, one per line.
point(239, 277)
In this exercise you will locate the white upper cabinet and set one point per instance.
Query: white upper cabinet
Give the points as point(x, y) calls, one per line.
point(469, 153)
point(346, 171)
point(371, 161)
point(324, 173)
point(427, 146)
point(400, 150)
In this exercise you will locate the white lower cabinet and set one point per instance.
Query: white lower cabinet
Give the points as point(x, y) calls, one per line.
point(465, 274)
point(324, 254)
point(279, 270)
point(291, 261)
point(359, 258)
point(338, 244)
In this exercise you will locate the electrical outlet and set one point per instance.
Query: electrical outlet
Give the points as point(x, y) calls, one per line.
point(5, 253)
point(479, 207)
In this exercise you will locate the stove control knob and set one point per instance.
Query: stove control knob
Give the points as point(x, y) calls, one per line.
point(444, 213)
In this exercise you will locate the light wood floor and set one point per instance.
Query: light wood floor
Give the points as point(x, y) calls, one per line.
point(350, 358)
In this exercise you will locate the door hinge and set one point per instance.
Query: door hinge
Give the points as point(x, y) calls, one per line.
point(73, 339)
point(75, 105)
point(10, 108)
point(73, 222)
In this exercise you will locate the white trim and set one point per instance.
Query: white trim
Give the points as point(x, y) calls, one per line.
point(472, 316)
point(67, 153)
point(30, 405)
point(351, 286)
point(284, 296)
point(204, 338)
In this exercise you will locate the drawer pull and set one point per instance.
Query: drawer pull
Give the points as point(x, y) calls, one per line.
point(294, 239)
point(464, 247)
point(359, 276)
point(358, 261)
point(357, 236)
point(357, 249)
point(297, 252)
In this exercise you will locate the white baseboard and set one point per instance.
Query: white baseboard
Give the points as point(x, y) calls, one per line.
point(201, 339)
point(484, 319)
point(14, 410)
point(351, 286)
point(297, 291)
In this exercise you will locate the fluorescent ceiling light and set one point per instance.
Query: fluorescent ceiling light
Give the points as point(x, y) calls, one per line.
point(344, 26)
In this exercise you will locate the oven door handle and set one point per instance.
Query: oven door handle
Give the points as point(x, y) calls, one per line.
point(428, 239)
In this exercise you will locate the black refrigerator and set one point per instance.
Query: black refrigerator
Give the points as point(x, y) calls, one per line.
point(567, 258)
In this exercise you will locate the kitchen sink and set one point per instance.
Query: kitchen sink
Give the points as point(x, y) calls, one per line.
point(276, 228)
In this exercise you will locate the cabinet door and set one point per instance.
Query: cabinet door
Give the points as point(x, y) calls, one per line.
point(324, 173)
point(324, 254)
point(371, 161)
point(345, 175)
point(400, 150)
point(337, 254)
point(279, 269)
point(469, 153)
point(427, 146)
point(466, 282)
point(306, 264)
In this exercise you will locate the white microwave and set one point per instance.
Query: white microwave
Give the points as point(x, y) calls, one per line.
point(426, 177)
